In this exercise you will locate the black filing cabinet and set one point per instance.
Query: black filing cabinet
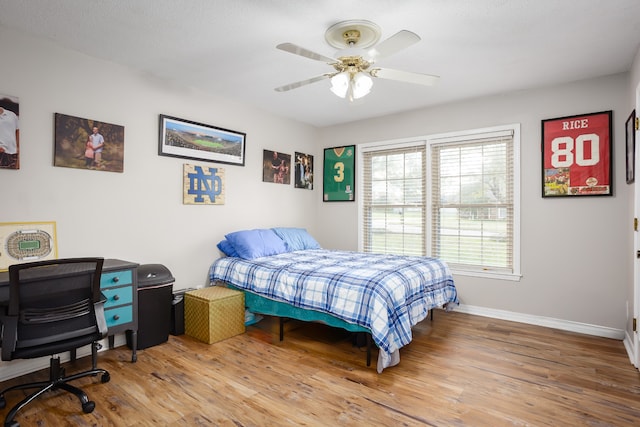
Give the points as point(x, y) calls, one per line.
point(155, 296)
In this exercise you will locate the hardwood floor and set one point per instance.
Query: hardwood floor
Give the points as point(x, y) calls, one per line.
point(460, 370)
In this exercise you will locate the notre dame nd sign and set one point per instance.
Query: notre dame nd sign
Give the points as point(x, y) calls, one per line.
point(203, 185)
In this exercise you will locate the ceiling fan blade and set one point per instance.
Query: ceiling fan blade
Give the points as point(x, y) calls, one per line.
point(400, 40)
point(302, 83)
point(297, 50)
point(404, 76)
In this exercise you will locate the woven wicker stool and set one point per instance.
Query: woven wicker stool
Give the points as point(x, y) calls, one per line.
point(213, 314)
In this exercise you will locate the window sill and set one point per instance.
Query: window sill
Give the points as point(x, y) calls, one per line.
point(513, 277)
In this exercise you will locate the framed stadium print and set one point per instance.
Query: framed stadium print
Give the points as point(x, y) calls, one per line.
point(198, 141)
point(27, 242)
point(577, 155)
point(338, 183)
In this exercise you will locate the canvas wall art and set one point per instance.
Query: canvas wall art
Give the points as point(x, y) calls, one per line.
point(276, 167)
point(9, 132)
point(88, 144)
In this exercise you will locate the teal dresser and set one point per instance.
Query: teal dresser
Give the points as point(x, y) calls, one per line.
point(119, 284)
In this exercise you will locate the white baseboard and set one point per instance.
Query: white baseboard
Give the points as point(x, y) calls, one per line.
point(565, 325)
point(628, 345)
point(16, 368)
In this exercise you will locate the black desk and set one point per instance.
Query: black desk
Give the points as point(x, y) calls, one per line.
point(119, 283)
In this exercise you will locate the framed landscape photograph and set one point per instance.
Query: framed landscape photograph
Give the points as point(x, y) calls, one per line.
point(577, 155)
point(630, 134)
point(88, 144)
point(199, 141)
point(338, 184)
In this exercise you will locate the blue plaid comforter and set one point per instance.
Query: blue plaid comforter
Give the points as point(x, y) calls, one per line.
point(386, 294)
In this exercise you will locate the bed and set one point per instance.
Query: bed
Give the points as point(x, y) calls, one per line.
point(382, 294)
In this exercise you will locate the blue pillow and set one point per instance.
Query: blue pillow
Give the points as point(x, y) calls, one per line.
point(227, 248)
point(296, 239)
point(257, 243)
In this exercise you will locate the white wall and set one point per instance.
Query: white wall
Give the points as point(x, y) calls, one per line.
point(576, 257)
point(138, 215)
point(576, 254)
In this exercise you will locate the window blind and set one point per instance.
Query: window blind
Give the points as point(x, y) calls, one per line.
point(394, 200)
point(472, 201)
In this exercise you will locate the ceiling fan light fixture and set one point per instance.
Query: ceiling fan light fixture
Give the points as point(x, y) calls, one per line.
point(353, 71)
point(356, 85)
point(340, 84)
point(361, 84)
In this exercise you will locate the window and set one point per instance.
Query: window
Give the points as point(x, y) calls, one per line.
point(393, 200)
point(474, 214)
point(454, 197)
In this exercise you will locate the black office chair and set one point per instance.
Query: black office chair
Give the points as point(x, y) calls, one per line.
point(55, 306)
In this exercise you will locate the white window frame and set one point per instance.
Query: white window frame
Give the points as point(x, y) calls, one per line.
point(429, 140)
point(360, 195)
point(457, 137)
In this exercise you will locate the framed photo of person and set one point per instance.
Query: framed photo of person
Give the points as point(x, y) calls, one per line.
point(577, 155)
point(9, 132)
point(338, 184)
point(276, 167)
point(303, 170)
point(88, 144)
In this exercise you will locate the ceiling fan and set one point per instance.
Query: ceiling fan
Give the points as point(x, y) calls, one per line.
point(354, 66)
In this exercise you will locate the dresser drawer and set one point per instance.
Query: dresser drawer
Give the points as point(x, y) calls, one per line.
point(118, 296)
point(116, 278)
point(119, 315)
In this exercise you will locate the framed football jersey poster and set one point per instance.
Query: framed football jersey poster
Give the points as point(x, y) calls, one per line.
point(577, 155)
point(338, 183)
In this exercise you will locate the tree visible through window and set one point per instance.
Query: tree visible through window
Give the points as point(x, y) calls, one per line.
point(472, 209)
point(454, 197)
point(394, 201)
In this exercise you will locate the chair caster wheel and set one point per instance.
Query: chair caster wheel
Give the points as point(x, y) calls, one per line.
point(88, 407)
point(106, 378)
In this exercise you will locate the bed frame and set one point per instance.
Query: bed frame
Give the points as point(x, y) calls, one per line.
point(261, 305)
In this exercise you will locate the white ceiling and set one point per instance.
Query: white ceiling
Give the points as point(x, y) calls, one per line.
point(227, 47)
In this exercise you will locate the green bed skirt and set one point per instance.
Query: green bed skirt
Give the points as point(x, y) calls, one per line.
point(261, 305)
